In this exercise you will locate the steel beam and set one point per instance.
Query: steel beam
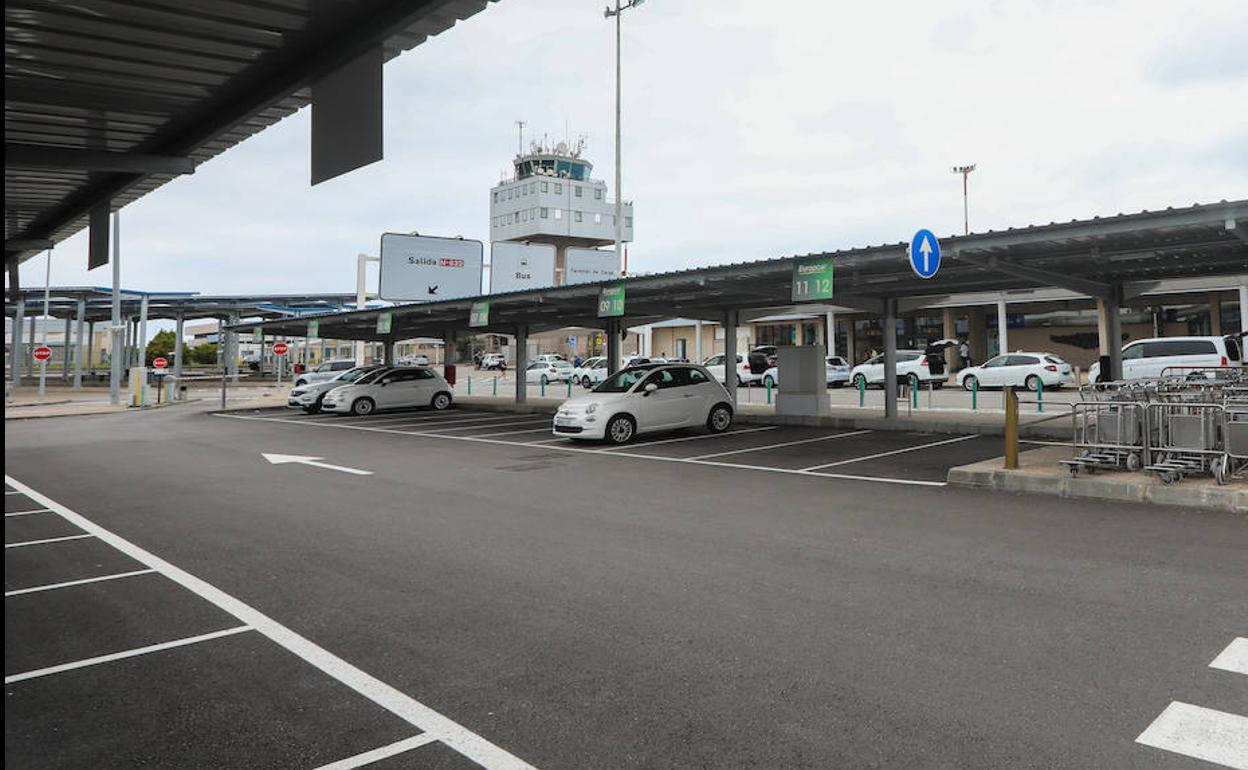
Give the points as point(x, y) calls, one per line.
point(33, 156)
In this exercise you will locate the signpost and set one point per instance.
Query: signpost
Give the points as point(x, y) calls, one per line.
point(611, 301)
point(924, 254)
point(479, 314)
point(314, 328)
point(421, 268)
point(812, 279)
point(42, 353)
point(160, 364)
point(384, 322)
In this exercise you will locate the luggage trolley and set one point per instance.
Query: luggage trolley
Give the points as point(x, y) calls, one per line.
point(1236, 438)
point(1109, 434)
point(1190, 438)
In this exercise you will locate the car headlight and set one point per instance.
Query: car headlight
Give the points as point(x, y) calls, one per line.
point(591, 408)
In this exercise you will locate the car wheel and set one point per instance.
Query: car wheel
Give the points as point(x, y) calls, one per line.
point(1032, 383)
point(620, 429)
point(313, 409)
point(441, 401)
point(741, 383)
point(860, 381)
point(969, 382)
point(300, 381)
point(586, 383)
point(362, 407)
point(769, 382)
point(720, 418)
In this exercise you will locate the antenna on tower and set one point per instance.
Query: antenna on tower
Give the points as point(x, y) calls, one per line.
point(520, 124)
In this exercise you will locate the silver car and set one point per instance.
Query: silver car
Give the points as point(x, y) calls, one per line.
point(389, 387)
point(326, 371)
point(308, 397)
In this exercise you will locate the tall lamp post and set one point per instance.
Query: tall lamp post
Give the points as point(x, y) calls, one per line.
point(965, 171)
point(615, 13)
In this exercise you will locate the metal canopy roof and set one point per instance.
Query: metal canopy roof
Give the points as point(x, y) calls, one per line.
point(1091, 256)
point(63, 303)
point(107, 100)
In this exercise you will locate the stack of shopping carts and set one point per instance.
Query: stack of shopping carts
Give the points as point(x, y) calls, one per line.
point(1188, 421)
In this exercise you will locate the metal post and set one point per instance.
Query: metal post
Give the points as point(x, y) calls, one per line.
point(177, 351)
point(697, 341)
point(1011, 429)
point(522, 363)
point(91, 349)
point(1114, 306)
point(17, 358)
point(143, 331)
point(30, 347)
point(890, 358)
point(1243, 307)
point(613, 345)
point(830, 332)
point(1039, 395)
point(66, 350)
point(619, 185)
point(232, 361)
point(975, 394)
point(730, 355)
point(82, 314)
point(47, 298)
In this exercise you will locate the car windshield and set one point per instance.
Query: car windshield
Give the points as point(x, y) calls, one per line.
point(371, 377)
point(561, 364)
point(351, 375)
point(623, 380)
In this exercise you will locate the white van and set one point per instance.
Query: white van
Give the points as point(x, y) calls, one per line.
point(1149, 358)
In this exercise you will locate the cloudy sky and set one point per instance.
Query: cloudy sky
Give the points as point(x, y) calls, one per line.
point(752, 130)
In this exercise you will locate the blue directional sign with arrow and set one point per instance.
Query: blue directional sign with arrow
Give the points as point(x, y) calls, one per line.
point(924, 253)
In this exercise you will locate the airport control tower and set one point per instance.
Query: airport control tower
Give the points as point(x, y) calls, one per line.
point(552, 198)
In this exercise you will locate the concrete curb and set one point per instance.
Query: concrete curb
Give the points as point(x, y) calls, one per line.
point(924, 425)
point(1121, 487)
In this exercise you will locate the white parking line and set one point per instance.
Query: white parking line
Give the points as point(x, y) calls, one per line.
point(1234, 657)
point(892, 452)
point(701, 437)
point(782, 444)
point(397, 416)
point(601, 452)
point(83, 582)
point(425, 719)
point(46, 540)
point(503, 424)
point(122, 655)
point(26, 513)
point(544, 429)
point(11, 492)
point(437, 424)
point(378, 754)
point(1203, 733)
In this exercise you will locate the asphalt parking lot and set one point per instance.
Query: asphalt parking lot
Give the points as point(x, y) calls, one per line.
point(463, 589)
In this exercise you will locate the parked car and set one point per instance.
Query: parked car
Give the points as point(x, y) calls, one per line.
point(389, 387)
point(835, 367)
point(750, 367)
point(308, 397)
point(771, 351)
point(591, 371)
point(644, 399)
point(325, 371)
point(550, 357)
point(419, 359)
point(910, 363)
point(1020, 369)
point(492, 361)
point(1147, 358)
point(548, 371)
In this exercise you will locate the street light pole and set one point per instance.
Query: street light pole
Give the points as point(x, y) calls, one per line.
point(620, 7)
point(965, 171)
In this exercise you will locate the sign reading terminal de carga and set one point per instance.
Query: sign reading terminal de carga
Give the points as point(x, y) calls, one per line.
point(422, 267)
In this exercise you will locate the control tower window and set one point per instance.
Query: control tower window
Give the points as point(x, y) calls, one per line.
point(578, 190)
point(628, 221)
point(578, 216)
point(598, 193)
point(545, 186)
point(545, 213)
point(558, 188)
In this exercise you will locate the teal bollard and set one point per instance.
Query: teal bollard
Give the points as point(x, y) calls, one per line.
point(768, 391)
point(569, 388)
point(862, 392)
point(496, 386)
point(543, 388)
point(1040, 395)
point(470, 386)
point(974, 394)
point(914, 392)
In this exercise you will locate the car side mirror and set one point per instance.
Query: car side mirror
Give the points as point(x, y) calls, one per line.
point(649, 388)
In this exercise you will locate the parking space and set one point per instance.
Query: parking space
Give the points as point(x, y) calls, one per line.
point(866, 455)
point(112, 652)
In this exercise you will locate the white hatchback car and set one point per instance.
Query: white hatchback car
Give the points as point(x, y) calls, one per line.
point(591, 371)
point(836, 368)
point(326, 371)
point(544, 372)
point(643, 399)
point(909, 363)
point(1152, 357)
point(1019, 369)
point(308, 397)
point(391, 387)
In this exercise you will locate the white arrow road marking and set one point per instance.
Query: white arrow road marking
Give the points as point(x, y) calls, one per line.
point(313, 461)
point(1234, 657)
point(1195, 731)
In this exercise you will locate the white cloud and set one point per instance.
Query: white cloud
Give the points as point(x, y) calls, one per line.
point(752, 130)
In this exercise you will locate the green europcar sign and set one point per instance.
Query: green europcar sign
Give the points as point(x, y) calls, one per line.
point(384, 321)
point(479, 315)
point(314, 329)
point(812, 279)
point(611, 301)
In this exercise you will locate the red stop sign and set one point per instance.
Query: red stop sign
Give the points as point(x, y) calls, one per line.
point(42, 353)
point(159, 363)
point(280, 348)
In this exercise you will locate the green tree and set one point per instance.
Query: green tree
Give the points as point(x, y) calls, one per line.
point(161, 346)
point(205, 354)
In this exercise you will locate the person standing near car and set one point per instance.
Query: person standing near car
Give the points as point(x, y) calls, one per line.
point(964, 355)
